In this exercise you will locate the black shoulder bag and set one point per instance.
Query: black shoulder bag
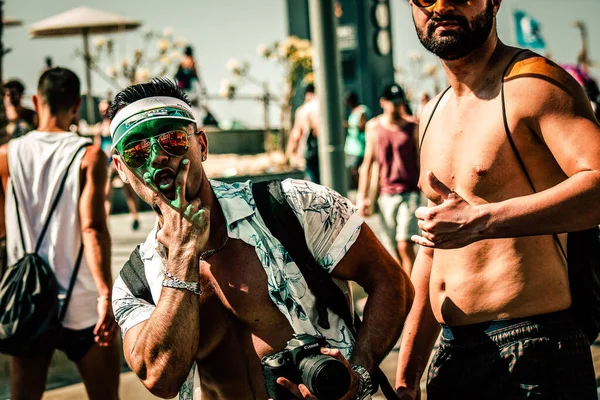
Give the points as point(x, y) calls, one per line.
point(279, 217)
point(583, 260)
point(31, 310)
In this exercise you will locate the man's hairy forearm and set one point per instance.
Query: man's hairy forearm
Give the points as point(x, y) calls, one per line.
point(166, 348)
point(566, 207)
point(385, 311)
point(418, 338)
point(421, 328)
point(97, 252)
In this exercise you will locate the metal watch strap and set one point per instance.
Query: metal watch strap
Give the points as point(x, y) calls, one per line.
point(176, 283)
point(365, 383)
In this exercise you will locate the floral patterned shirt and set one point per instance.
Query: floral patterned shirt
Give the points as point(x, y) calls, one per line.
point(331, 225)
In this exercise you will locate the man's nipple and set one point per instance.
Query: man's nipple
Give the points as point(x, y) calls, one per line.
point(480, 170)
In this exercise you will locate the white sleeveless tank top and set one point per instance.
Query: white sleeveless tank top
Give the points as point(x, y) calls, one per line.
point(37, 163)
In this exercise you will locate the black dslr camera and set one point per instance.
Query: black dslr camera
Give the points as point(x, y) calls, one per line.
point(301, 361)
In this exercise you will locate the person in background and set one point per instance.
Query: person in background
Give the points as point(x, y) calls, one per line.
point(589, 85)
point(102, 139)
point(425, 97)
point(48, 63)
point(31, 168)
point(20, 119)
point(355, 135)
point(187, 76)
point(392, 144)
point(303, 138)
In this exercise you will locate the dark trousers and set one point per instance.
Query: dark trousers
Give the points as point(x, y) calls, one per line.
point(540, 357)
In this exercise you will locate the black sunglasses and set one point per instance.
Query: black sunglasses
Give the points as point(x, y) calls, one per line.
point(429, 3)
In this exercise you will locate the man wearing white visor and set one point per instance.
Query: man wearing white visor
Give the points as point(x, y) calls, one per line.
point(219, 290)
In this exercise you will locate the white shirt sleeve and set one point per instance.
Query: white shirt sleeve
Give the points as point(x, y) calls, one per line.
point(129, 310)
point(330, 221)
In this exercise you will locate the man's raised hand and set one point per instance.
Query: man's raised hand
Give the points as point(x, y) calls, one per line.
point(183, 221)
point(450, 224)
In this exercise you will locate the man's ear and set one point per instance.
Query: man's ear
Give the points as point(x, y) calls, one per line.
point(120, 166)
point(203, 141)
point(36, 103)
point(76, 107)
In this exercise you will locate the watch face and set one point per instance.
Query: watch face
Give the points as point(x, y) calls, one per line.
point(382, 15)
point(383, 42)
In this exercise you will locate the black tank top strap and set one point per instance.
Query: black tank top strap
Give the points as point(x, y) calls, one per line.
point(437, 103)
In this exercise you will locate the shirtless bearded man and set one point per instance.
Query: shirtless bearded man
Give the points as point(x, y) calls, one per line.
point(490, 271)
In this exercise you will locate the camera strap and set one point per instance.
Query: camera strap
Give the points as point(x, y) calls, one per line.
point(279, 217)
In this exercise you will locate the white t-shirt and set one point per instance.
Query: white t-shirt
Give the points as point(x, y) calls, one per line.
point(37, 163)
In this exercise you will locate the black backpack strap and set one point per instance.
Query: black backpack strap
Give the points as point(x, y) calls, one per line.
point(437, 103)
point(19, 219)
point(134, 276)
point(57, 199)
point(279, 217)
point(514, 146)
point(63, 310)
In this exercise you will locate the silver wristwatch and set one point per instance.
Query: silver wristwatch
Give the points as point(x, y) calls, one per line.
point(365, 384)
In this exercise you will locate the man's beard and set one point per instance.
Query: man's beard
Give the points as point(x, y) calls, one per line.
point(452, 45)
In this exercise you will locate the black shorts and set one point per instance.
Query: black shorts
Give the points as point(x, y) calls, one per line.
point(540, 357)
point(75, 343)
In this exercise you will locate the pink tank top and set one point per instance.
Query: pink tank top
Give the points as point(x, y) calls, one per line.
point(397, 157)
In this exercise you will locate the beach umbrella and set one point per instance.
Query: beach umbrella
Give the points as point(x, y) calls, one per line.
point(11, 22)
point(83, 21)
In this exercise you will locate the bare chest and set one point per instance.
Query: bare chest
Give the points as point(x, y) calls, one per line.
point(236, 293)
point(239, 324)
point(468, 150)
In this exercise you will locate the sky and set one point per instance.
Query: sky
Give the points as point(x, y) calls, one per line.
point(223, 29)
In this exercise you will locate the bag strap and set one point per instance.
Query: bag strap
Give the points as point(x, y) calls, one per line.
point(134, 277)
point(279, 217)
point(514, 146)
point(57, 199)
point(63, 310)
point(437, 103)
point(19, 219)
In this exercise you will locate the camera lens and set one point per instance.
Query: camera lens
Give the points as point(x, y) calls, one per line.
point(326, 377)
